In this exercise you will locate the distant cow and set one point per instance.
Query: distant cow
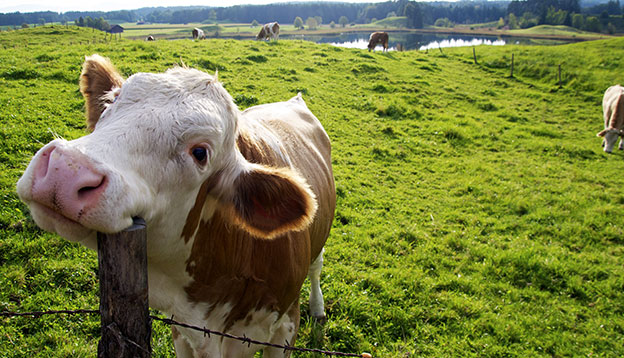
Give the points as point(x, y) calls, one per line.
point(613, 111)
point(198, 34)
point(150, 38)
point(238, 205)
point(269, 31)
point(378, 38)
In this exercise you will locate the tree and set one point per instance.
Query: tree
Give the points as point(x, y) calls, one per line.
point(501, 23)
point(319, 20)
point(513, 21)
point(414, 15)
point(578, 21)
point(332, 25)
point(592, 24)
point(343, 21)
point(25, 26)
point(311, 23)
point(298, 22)
point(254, 23)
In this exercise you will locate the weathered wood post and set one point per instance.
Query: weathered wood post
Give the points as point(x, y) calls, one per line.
point(512, 64)
point(474, 55)
point(560, 76)
point(124, 310)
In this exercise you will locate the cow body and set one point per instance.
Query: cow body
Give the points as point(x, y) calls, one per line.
point(269, 31)
point(613, 112)
point(378, 38)
point(198, 34)
point(150, 38)
point(238, 205)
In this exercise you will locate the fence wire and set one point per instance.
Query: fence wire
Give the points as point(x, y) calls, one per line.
point(204, 330)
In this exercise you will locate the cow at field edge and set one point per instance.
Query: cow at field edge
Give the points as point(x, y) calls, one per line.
point(198, 34)
point(378, 38)
point(150, 38)
point(613, 112)
point(238, 205)
point(269, 31)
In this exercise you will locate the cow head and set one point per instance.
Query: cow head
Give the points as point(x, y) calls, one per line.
point(610, 136)
point(155, 140)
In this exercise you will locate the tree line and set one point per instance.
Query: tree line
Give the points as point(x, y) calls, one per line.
point(515, 13)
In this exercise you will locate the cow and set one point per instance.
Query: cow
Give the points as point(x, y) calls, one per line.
point(150, 38)
point(198, 34)
point(613, 112)
point(269, 31)
point(377, 38)
point(238, 205)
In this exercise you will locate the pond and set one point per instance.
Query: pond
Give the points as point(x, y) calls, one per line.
point(418, 41)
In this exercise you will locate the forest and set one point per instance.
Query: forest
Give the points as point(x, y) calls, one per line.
point(589, 15)
point(419, 13)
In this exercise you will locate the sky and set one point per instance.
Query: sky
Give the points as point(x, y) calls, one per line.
point(110, 5)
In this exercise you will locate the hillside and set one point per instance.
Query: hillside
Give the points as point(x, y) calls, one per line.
point(477, 215)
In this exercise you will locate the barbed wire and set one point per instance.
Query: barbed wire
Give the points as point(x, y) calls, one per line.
point(207, 332)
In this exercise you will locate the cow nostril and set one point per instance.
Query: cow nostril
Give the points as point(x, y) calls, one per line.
point(88, 189)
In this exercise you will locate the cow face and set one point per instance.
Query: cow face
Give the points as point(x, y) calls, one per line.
point(610, 136)
point(156, 140)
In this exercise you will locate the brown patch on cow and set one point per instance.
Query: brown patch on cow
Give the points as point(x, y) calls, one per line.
point(377, 38)
point(228, 265)
point(258, 151)
point(192, 219)
point(175, 334)
point(617, 117)
point(98, 77)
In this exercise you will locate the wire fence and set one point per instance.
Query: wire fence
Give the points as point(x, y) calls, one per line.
point(207, 332)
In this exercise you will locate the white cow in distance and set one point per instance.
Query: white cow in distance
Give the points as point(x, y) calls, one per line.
point(238, 205)
point(613, 112)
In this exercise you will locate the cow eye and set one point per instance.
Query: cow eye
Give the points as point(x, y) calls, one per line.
point(200, 154)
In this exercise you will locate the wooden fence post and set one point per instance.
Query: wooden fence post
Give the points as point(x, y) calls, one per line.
point(512, 64)
point(560, 76)
point(474, 55)
point(124, 309)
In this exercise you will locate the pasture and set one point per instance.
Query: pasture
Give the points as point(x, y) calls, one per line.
point(477, 215)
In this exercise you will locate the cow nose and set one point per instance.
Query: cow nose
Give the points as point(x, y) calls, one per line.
point(67, 183)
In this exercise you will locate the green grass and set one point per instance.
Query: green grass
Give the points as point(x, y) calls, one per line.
point(557, 30)
point(477, 215)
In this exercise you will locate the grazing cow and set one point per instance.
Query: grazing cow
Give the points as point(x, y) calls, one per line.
point(613, 111)
point(269, 31)
point(150, 38)
point(198, 34)
point(238, 205)
point(377, 38)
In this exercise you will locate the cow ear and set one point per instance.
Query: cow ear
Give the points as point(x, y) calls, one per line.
point(98, 77)
point(602, 133)
point(268, 202)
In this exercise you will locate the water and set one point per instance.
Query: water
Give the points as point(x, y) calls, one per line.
point(416, 41)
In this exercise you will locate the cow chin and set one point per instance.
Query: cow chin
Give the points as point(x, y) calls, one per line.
point(50, 220)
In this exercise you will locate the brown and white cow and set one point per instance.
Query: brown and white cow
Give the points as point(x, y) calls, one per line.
point(150, 38)
point(198, 34)
point(269, 31)
point(378, 38)
point(613, 112)
point(238, 205)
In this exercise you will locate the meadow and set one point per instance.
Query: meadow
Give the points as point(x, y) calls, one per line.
point(477, 215)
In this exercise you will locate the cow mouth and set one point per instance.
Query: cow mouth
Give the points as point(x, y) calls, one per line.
point(60, 220)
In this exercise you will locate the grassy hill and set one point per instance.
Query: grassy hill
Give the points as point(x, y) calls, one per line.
point(477, 214)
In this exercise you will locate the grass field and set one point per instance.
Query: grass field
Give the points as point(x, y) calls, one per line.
point(477, 215)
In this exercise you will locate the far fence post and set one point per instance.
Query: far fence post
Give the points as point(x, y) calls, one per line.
point(512, 65)
point(560, 76)
point(124, 310)
point(474, 55)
